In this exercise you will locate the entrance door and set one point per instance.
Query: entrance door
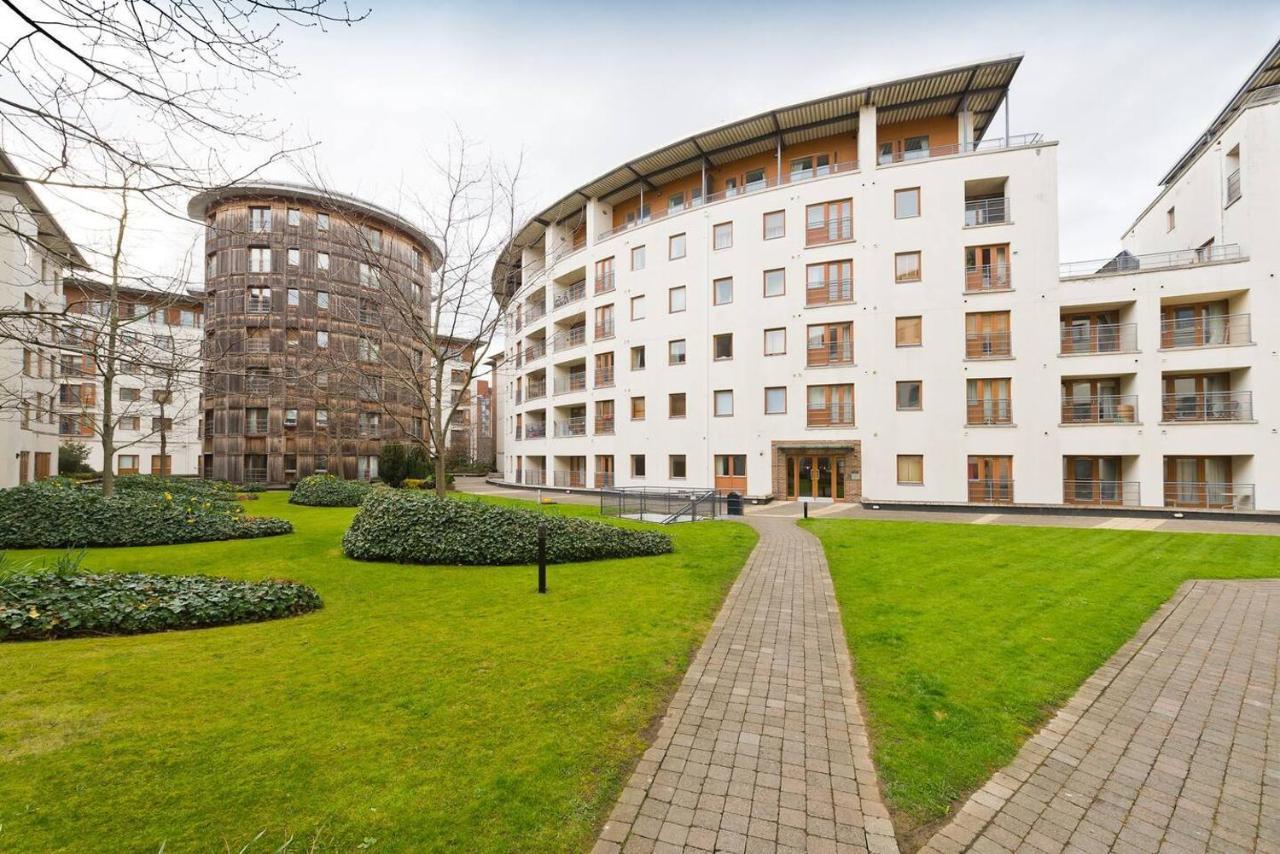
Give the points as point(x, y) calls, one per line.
point(731, 473)
point(815, 476)
point(42, 464)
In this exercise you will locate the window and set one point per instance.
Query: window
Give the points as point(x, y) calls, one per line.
point(910, 468)
point(906, 203)
point(775, 283)
point(830, 344)
point(211, 265)
point(909, 395)
point(291, 418)
point(830, 405)
point(322, 300)
point(906, 267)
point(637, 258)
point(159, 395)
point(130, 395)
point(374, 238)
point(775, 341)
point(722, 235)
point(675, 202)
point(322, 339)
point(322, 418)
point(987, 335)
point(368, 275)
point(162, 465)
point(637, 308)
point(637, 409)
point(828, 222)
point(775, 400)
point(368, 350)
point(808, 167)
point(133, 422)
point(989, 402)
point(722, 291)
point(604, 277)
point(676, 353)
point(322, 463)
point(259, 301)
point(259, 259)
point(724, 403)
point(294, 217)
point(722, 346)
point(676, 247)
point(294, 256)
point(322, 260)
point(676, 463)
point(1170, 219)
point(907, 331)
point(255, 420)
point(126, 463)
point(293, 296)
point(676, 405)
point(637, 465)
point(677, 299)
point(366, 467)
point(830, 282)
point(637, 358)
point(322, 222)
point(775, 225)
point(161, 425)
point(369, 423)
point(259, 219)
point(753, 180)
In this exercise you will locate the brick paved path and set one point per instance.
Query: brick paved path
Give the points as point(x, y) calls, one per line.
point(1172, 745)
point(763, 747)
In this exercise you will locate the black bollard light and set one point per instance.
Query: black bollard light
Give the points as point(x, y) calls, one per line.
point(542, 557)
point(806, 509)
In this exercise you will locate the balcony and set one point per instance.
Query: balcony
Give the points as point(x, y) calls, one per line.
point(534, 311)
point(982, 278)
point(1125, 262)
point(571, 294)
point(604, 377)
point(568, 338)
point(604, 479)
point(533, 390)
point(369, 316)
point(531, 353)
point(988, 345)
point(830, 353)
point(830, 415)
point(991, 491)
point(604, 425)
point(1098, 338)
point(835, 230)
point(978, 212)
point(535, 431)
point(991, 411)
point(576, 426)
point(604, 329)
point(257, 305)
point(824, 293)
point(257, 345)
point(995, 144)
point(1207, 407)
point(1191, 333)
point(258, 385)
point(255, 475)
point(532, 477)
point(1101, 493)
point(604, 282)
point(570, 383)
point(1209, 495)
point(1100, 409)
point(570, 479)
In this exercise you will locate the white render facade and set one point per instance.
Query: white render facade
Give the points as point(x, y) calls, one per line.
point(957, 365)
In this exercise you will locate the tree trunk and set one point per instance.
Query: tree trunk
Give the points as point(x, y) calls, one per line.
point(164, 443)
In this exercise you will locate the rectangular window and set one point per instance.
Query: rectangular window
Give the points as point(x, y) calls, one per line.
point(322, 463)
point(162, 465)
point(322, 300)
point(295, 217)
point(830, 344)
point(722, 291)
point(291, 418)
point(1170, 219)
point(259, 219)
point(907, 331)
point(675, 202)
point(322, 222)
point(130, 395)
point(906, 203)
point(722, 346)
point(676, 247)
point(989, 402)
point(637, 465)
point(987, 335)
point(676, 405)
point(322, 339)
point(986, 268)
point(809, 167)
point(910, 469)
point(255, 420)
point(637, 358)
point(368, 275)
point(775, 225)
point(374, 238)
point(677, 299)
point(211, 265)
point(775, 400)
point(724, 403)
point(161, 424)
point(322, 260)
point(676, 353)
point(831, 282)
point(906, 267)
point(775, 341)
point(259, 259)
point(126, 463)
point(910, 395)
point(828, 222)
point(322, 418)
point(294, 297)
point(259, 301)
point(637, 409)
point(294, 257)
point(604, 277)
point(775, 283)
point(676, 463)
point(722, 235)
point(637, 258)
point(637, 308)
point(830, 405)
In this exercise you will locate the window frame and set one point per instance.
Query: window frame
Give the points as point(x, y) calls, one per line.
point(902, 193)
point(898, 277)
point(919, 458)
point(765, 225)
point(717, 230)
point(684, 296)
point(781, 352)
point(715, 403)
point(897, 396)
point(683, 244)
point(715, 291)
point(897, 330)
point(783, 410)
point(764, 284)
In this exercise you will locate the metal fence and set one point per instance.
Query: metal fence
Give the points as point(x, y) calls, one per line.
point(662, 504)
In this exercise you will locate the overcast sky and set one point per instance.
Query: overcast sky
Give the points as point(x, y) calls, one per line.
point(581, 87)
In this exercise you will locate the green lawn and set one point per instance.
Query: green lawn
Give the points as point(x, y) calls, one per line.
point(423, 708)
point(966, 638)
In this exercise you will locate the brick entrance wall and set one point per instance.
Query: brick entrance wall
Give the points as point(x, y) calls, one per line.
point(832, 447)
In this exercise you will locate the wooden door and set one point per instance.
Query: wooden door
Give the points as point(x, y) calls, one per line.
point(42, 464)
point(731, 473)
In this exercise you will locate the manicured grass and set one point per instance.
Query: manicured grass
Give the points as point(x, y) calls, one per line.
point(424, 708)
point(966, 638)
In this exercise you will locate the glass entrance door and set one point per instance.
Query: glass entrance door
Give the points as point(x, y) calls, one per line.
point(815, 476)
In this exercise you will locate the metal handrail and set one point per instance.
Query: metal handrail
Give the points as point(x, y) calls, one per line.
point(1233, 187)
point(1220, 495)
point(534, 311)
point(986, 211)
point(830, 291)
point(1125, 263)
point(1213, 331)
point(573, 293)
point(991, 410)
point(604, 378)
point(576, 426)
point(935, 151)
point(535, 431)
point(570, 479)
point(1098, 338)
point(572, 382)
point(533, 391)
point(990, 491)
point(987, 277)
point(665, 504)
point(604, 425)
point(1207, 406)
point(566, 338)
point(988, 345)
point(257, 345)
point(1105, 493)
point(604, 282)
point(1100, 409)
point(604, 329)
point(834, 230)
point(830, 415)
point(830, 353)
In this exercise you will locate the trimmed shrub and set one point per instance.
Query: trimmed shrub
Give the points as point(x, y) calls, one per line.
point(55, 513)
point(392, 464)
point(44, 605)
point(415, 463)
point(326, 490)
point(417, 527)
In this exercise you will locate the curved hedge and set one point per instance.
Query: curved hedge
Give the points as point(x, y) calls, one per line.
point(44, 605)
point(417, 527)
point(58, 514)
point(325, 490)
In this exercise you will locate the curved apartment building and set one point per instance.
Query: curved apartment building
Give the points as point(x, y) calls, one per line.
point(296, 329)
point(860, 297)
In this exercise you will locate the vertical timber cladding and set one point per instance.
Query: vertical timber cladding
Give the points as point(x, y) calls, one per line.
point(849, 449)
point(264, 351)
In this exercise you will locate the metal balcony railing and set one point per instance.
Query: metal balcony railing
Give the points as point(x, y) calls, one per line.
point(567, 338)
point(534, 311)
point(834, 290)
point(988, 345)
point(830, 415)
point(570, 479)
point(604, 329)
point(1127, 263)
point(1101, 493)
point(992, 410)
point(576, 426)
point(535, 390)
point(604, 282)
point(603, 479)
point(1233, 186)
point(531, 353)
point(985, 212)
point(258, 385)
point(833, 230)
point(1208, 406)
point(1209, 495)
point(257, 345)
point(604, 425)
point(1098, 338)
point(987, 277)
point(1100, 409)
point(535, 431)
point(254, 305)
point(533, 477)
point(604, 377)
point(992, 144)
point(573, 293)
point(830, 353)
point(1214, 331)
point(987, 491)
point(368, 316)
point(572, 382)
point(255, 475)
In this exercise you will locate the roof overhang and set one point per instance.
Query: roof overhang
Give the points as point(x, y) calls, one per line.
point(48, 233)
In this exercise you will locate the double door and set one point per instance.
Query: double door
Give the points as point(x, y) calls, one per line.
point(815, 476)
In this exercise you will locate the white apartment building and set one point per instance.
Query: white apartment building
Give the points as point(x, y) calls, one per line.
point(35, 253)
point(859, 298)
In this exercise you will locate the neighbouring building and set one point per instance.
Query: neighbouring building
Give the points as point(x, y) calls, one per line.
point(35, 255)
point(306, 299)
point(860, 297)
